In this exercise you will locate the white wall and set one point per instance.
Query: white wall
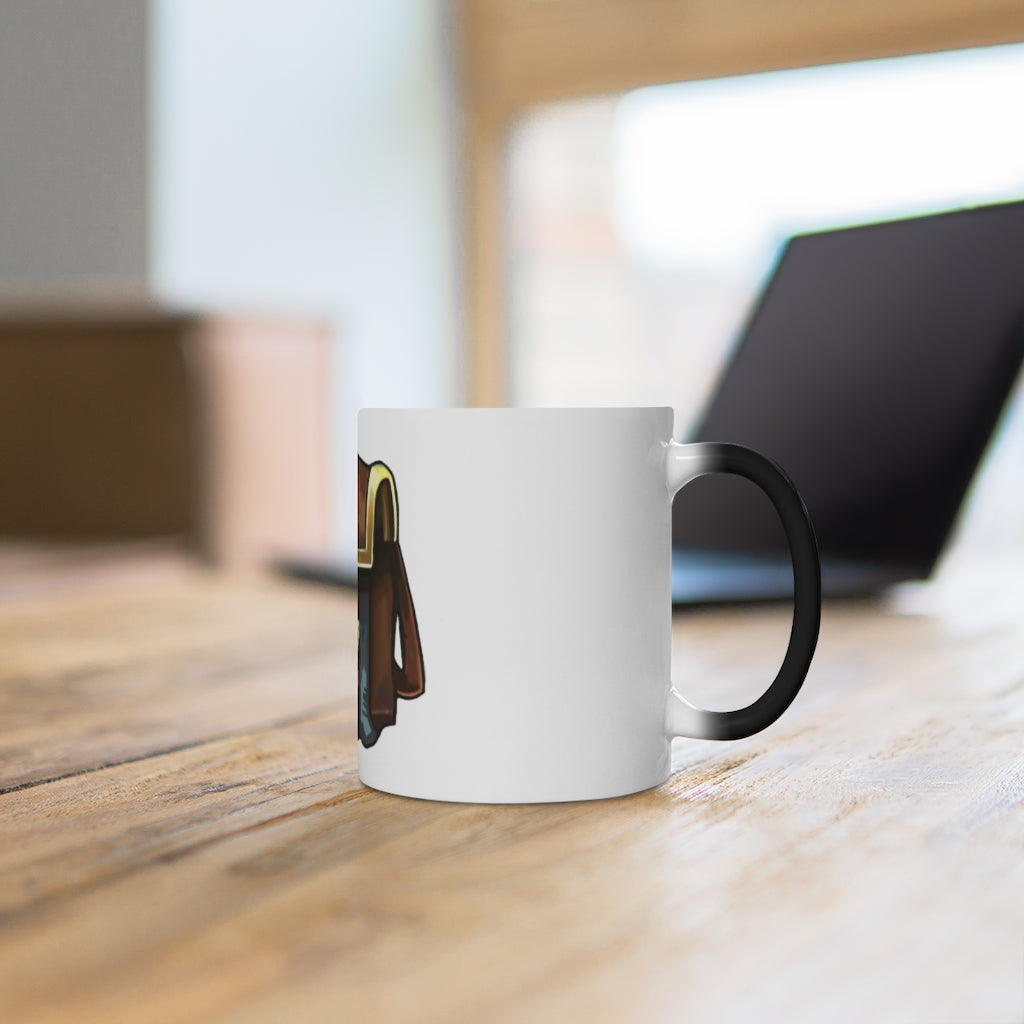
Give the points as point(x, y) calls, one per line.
point(72, 150)
point(302, 161)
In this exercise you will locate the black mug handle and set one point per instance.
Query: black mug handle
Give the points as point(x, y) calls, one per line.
point(686, 462)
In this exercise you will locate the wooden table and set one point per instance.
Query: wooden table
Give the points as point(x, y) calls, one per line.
point(185, 837)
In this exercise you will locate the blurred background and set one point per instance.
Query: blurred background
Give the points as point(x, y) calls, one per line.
point(226, 226)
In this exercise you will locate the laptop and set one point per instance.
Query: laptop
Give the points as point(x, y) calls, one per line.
point(873, 369)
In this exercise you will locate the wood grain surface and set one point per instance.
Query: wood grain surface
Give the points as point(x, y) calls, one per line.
point(185, 837)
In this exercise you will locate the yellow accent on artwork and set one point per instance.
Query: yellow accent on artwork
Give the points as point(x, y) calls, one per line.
point(378, 474)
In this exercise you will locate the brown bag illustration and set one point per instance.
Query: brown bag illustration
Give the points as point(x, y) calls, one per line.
point(386, 609)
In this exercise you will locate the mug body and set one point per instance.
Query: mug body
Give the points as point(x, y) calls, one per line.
point(532, 549)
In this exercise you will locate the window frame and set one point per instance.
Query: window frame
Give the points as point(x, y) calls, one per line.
point(515, 54)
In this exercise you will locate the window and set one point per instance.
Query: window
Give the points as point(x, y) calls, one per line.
point(641, 226)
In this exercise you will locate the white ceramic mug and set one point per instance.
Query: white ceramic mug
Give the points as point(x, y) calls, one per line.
point(514, 601)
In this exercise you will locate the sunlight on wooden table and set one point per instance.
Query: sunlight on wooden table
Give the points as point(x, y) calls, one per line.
point(185, 837)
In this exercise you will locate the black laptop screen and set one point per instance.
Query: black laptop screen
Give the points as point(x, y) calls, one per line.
point(873, 369)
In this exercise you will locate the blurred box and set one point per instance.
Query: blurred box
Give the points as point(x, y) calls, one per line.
point(152, 424)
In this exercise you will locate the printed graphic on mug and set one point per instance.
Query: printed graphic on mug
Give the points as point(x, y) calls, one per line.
point(386, 610)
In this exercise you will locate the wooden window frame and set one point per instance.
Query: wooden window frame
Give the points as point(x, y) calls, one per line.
point(515, 54)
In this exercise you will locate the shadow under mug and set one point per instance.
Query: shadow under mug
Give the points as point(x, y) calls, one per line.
point(514, 601)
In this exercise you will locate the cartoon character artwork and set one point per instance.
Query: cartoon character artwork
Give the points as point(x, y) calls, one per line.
point(385, 608)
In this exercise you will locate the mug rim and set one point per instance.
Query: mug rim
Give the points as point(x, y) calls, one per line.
point(516, 410)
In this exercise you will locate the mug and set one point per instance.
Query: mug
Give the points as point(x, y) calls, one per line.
point(515, 601)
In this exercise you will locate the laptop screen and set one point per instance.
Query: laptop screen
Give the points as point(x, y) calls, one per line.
point(873, 370)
